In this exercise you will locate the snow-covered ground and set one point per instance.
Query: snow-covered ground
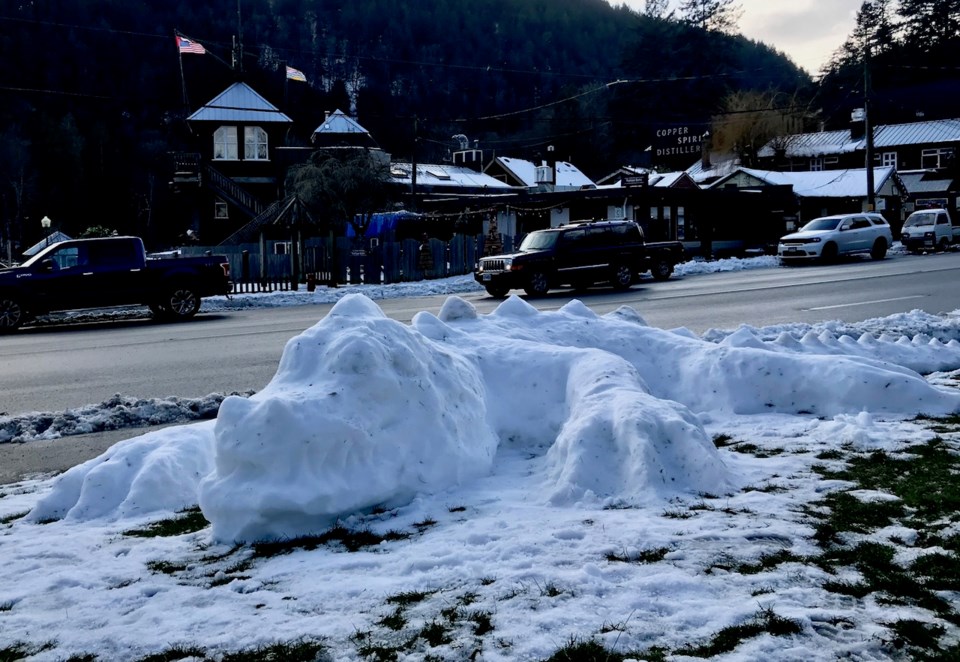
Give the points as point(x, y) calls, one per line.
point(515, 468)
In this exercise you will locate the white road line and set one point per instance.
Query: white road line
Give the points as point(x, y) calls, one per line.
point(869, 303)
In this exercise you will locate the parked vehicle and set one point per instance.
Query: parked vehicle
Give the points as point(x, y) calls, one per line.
point(828, 237)
point(929, 229)
point(578, 254)
point(113, 271)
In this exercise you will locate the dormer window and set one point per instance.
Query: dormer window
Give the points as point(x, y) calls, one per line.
point(255, 144)
point(225, 144)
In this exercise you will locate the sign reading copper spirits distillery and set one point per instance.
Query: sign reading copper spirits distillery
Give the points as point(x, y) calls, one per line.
point(673, 142)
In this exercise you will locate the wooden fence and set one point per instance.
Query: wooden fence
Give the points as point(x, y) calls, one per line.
point(346, 260)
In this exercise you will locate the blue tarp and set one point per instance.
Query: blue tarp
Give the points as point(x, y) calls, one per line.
point(383, 222)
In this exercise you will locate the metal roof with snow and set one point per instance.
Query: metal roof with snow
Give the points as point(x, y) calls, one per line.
point(804, 145)
point(445, 176)
point(850, 183)
point(239, 103)
point(567, 175)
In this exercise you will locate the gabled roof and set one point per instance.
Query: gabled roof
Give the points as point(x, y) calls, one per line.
point(885, 135)
point(54, 238)
point(447, 176)
point(717, 167)
point(340, 130)
point(239, 103)
point(338, 122)
point(678, 179)
point(567, 175)
point(819, 184)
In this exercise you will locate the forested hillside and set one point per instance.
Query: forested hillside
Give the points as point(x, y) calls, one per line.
point(94, 93)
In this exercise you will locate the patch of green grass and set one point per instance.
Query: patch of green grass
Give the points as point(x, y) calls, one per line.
point(832, 454)
point(397, 620)
point(913, 635)
point(845, 512)
point(300, 650)
point(769, 488)
point(408, 598)
point(190, 520)
point(175, 653)
point(676, 513)
point(643, 556)
point(924, 477)
point(435, 633)
point(352, 540)
point(767, 562)
point(21, 650)
point(756, 451)
point(166, 567)
point(722, 440)
point(7, 519)
point(590, 650)
point(482, 622)
point(938, 569)
point(732, 636)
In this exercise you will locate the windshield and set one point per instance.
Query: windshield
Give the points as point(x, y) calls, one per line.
point(821, 224)
point(538, 240)
point(920, 219)
point(39, 256)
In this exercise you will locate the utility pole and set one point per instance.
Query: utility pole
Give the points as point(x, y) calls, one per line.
point(868, 130)
point(238, 44)
point(413, 164)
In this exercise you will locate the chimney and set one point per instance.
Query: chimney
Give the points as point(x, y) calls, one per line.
point(858, 127)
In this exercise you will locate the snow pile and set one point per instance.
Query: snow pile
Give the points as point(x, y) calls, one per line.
point(366, 411)
point(362, 411)
point(116, 413)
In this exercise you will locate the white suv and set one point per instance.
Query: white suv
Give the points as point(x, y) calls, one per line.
point(828, 237)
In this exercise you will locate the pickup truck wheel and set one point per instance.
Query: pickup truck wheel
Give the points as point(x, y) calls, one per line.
point(11, 314)
point(537, 284)
point(661, 269)
point(622, 277)
point(497, 291)
point(879, 249)
point(181, 303)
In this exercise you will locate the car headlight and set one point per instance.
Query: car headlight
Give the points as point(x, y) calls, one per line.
point(815, 240)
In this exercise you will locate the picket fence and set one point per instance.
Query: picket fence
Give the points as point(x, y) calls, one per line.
point(344, 261)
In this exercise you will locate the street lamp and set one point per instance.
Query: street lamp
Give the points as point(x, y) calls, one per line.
point(46, 223)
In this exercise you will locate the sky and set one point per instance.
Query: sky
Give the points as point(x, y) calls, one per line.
point(808, 31)
point(517, 469)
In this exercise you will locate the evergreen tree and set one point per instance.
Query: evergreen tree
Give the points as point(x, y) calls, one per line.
point(713, 15)
point(930, 24)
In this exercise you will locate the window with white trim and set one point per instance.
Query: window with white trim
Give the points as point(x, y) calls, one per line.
point(221, 210)
point(225, 144)
point(936, 157)
point(889, 159)
point(816, 164)
point(254, 144)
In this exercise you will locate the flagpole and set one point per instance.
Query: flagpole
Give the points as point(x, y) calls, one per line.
point(183, 79)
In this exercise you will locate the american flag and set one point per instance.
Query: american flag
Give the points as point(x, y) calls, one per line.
point(187, 46)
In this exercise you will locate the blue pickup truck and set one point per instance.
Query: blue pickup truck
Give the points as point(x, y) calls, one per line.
point(113, 271)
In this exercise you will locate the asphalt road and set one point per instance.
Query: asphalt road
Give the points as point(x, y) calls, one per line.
point(56, 368)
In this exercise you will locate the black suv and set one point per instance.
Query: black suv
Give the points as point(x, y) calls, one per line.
point(578, 255)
